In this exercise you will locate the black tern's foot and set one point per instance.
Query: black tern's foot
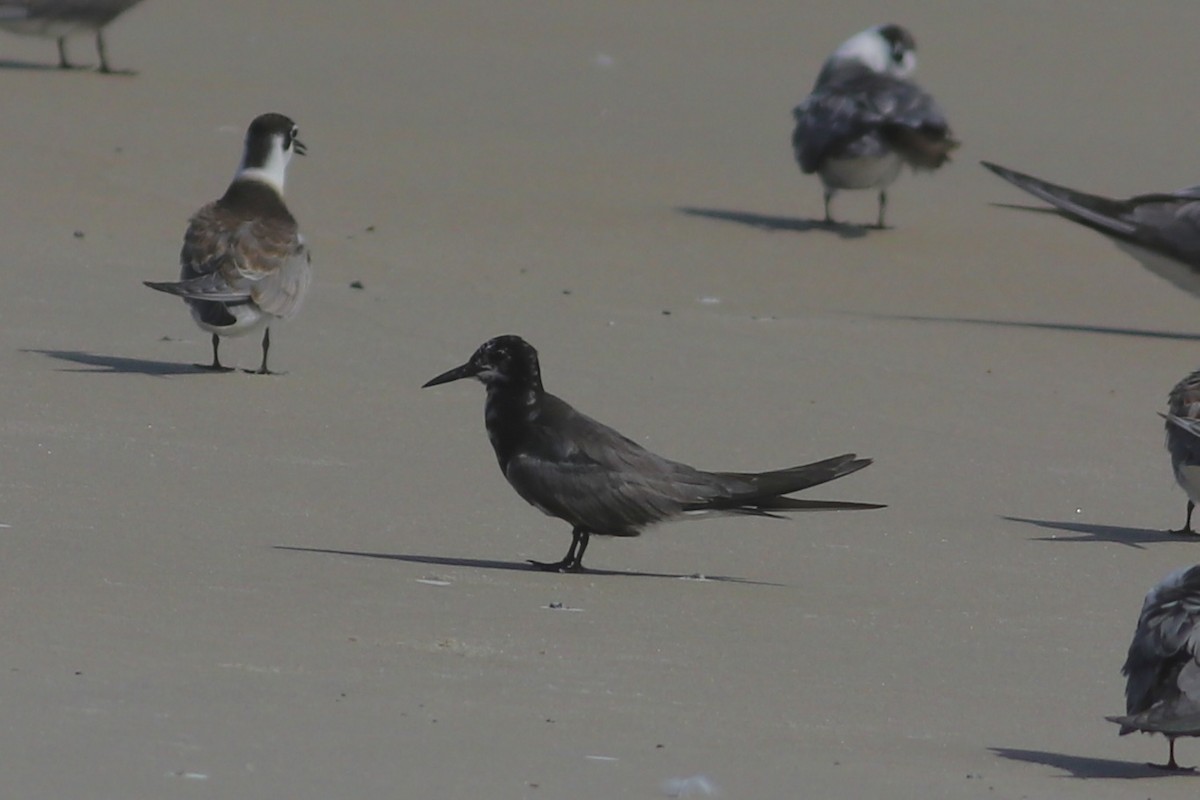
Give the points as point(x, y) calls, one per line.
point(124, 73)
point(1183, 532)
point(566, 565)
point(262, 371)
point(213, 367)
point(1170, 766)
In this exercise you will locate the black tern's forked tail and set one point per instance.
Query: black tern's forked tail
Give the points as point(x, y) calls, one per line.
point(865, 119)
point(572, 467)
point(1162, 670)
point(1162, 230)
point(244, 263)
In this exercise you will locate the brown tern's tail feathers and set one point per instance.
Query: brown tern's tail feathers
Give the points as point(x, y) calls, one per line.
point(206, 287)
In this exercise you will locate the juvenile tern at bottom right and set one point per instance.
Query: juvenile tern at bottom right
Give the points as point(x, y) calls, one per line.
point(1162, 669)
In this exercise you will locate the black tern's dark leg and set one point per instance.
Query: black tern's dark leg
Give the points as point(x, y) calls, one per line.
point(100, 51)
point(215, 366)
point(882, 208)
point(63, 63)
point(1187, 530)
point(828, 199)
point(573, 561)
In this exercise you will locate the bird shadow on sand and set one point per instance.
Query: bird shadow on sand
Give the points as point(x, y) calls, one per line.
point(1088, 532)
point(44, 66)
point(33, 66)
point(96, 362)
point(1024, 207)
point(775, 224)
point(1144, 333)
point(514, 566)
point(1085, 767)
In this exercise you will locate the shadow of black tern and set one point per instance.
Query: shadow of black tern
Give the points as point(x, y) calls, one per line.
point(58, 19)
point(1162, 231)
point(244, 263)
point(865, 120)
point(1162, 670)
point(572, 467)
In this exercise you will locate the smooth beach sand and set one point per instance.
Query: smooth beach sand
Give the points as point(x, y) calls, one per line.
point(314, 585)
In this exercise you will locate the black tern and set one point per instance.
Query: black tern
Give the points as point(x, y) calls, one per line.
point(864, 119)
point(1162, 688)
point(572, 467)
point(1162, 231)
point(1183, 442)
point(244, 262)
point(58, 19)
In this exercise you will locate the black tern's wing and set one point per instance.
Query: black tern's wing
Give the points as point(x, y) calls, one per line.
point(583, 471)
point(1161, 665)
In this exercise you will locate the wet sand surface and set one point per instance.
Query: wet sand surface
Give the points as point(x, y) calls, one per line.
point(314, 585)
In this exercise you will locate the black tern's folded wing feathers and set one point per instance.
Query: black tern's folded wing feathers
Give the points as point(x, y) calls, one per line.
point(583, 471)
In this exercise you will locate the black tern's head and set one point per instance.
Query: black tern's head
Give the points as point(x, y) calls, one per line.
point(504, 361)
point(886, 49)
point(271, 141)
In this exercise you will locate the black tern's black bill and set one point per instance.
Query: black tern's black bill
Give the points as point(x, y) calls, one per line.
point(572, 467)
point(467, 370)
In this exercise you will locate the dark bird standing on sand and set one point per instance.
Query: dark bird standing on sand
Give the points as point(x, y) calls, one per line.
point(1183, 441)
point(572, 467)
point(244, 263)
point(865, 120)
point(1161, 230)
point(1162, 689)
point(58, 19)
